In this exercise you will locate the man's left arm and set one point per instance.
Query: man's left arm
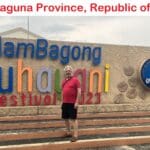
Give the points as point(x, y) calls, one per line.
point(78, 97)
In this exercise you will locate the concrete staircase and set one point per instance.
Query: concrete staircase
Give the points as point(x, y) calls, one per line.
point(46, 132)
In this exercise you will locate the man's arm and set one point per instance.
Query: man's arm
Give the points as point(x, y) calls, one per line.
point(78, 97)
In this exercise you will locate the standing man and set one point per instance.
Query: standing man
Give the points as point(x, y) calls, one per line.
point(71, 92)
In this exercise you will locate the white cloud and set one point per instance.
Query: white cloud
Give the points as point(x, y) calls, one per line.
point(114, 30)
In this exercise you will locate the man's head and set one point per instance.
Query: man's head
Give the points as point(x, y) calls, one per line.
point(68, 71)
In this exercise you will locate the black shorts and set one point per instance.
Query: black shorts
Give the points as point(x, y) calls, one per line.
point(68, 111)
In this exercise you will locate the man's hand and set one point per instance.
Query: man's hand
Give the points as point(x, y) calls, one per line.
point(61, 103)
point(76, 105)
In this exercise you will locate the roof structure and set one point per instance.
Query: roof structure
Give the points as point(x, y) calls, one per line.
point(19, 33)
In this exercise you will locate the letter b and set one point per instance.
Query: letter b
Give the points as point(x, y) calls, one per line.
point(41, 50)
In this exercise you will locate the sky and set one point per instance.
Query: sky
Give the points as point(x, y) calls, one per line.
point(133, 31)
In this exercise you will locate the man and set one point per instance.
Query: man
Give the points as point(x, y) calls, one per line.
point(71, 92)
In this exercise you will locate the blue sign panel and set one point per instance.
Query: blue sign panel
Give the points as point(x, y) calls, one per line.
point(145, 73)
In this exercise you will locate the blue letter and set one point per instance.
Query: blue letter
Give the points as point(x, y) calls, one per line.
point(75, 51)
point(64, 53)
point(25, 47)
point(10, 81)
point(96, 55)
point(54, 51)
point(41, 50)
point(9, 49)
point(86, 51)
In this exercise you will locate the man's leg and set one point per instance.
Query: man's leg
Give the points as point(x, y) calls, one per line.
point(75, 130)
point(65, 116)
point(68, 127)
point(73, 116)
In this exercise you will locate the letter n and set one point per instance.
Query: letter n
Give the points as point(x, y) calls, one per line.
point(21, 71)
point(99, 78)
point(82, 72)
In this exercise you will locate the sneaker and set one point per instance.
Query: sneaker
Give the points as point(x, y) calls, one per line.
point(67, 135)
point(74, 139)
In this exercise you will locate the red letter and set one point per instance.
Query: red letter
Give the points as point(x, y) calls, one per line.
point(37, 101)
point(23, 98)
point(3, 100)
point(47, 100)
point(13, 98)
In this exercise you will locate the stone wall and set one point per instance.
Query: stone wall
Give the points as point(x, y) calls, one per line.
point(125, 86)
point(56, 110)
point(126, 92)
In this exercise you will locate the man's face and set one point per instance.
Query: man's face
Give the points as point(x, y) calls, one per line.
point(68, 73)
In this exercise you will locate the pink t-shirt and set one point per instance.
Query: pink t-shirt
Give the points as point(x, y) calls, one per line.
point(70, 90)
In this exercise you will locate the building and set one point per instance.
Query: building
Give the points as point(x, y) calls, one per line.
point(109, 74)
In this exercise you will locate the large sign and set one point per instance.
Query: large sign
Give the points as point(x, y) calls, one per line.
point(145, 73)
point(41, 50)
point(36, 83)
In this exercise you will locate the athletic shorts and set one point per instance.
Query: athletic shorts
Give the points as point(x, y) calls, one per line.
point(68, 111)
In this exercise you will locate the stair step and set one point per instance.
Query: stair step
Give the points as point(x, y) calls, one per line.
point(81, 115)
point(61, 133)
point(105, 142)
point(54, 124)
point(95, 130)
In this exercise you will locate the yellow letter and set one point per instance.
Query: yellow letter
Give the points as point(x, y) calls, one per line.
point(107, 75)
